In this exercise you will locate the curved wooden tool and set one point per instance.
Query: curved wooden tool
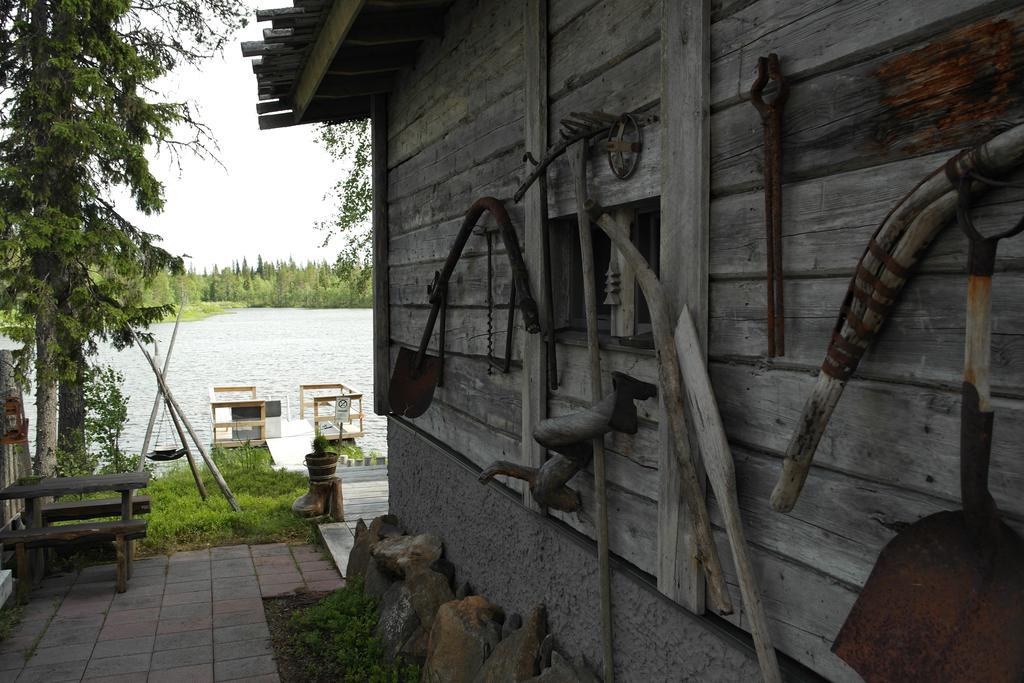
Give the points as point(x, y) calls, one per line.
point(884, 268)
point(718, 463)
point(417, 374)
point(945, 601)
point(672, 394)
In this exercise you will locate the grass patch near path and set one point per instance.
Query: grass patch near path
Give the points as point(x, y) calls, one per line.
point(181, 519)
point(331, 639)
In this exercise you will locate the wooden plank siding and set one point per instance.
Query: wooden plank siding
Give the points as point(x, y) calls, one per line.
point(883, 92)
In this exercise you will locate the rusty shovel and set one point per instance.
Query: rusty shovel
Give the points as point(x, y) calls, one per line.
point(417, 373)
point(945, 600)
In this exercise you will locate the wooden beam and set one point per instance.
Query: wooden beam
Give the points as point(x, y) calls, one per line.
point(271, 121)
point(255, 48)
point(280, 12)
point(387, 29)
point(336, 27)
point(341, 109)
point(272, 106)
point(381, 245)
point(406, 4)
point(333, 87)
point(534, 384)
point(357, 61)
point(685, 191)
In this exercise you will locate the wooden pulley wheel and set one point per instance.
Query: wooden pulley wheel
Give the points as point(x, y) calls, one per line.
point(625, 140)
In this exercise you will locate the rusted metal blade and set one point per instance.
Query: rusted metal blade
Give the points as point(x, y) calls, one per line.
point(412, 389)
point(939, 607)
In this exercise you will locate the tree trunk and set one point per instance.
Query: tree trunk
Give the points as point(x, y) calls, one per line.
point(71, 414)
point(46, 393)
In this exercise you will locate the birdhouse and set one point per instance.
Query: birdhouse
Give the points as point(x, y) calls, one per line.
point(15, 423)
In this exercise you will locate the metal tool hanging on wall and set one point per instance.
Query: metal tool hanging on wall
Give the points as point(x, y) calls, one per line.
point(503, 364)
point(771, 121)
point(417, 373)
point(15, 424)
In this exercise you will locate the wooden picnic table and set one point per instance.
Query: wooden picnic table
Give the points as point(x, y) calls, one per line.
point(125, 484)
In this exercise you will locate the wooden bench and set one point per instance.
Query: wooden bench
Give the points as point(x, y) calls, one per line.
point(120, 531)
point(91, 509)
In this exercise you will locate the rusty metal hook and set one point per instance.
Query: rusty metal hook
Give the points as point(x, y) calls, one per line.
point(768, 69)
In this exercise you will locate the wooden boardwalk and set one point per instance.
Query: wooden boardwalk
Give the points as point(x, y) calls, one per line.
point(366, 496)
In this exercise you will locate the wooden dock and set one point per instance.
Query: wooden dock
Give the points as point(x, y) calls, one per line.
point(366, 496)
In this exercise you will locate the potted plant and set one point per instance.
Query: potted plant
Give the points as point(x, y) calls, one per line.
point(321, 463)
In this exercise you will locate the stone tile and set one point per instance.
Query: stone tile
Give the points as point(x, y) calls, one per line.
point(60, 654)
point(187, 556)
point(82, 608)
point(113, 666)
point(240, 649)
point(14, 649)
point(60, 579)
point(188, 587)
point(194, 609)
point(229, 552)
point(276, 590)
point(184, 624)
point(146, 580)
point(220, 583)
point(316, 566)
point(124, 646)
point(273, 560)
point(52, 673)
point(325, 586)
point(136, 588)
point(44, 591)
point(237, 605)
point(137, 677)
point(282, 573)
point(60, 636)
point(92, 590)
point(199, 673)
point(246, 668)
point(99, 572)
point(187, 598)
point(138, 569)
point(231, 568)
point(265, 678)
point(132, 616)
point(199, 574)
point(39, 609)
point(300, 551)
point(246, 632)
point(31, 629)
point(269, 549)
point(94, 620)
point(176, 641)
point(243, 590)
point(158, 561)
point(10, 666)
point(131, 601)
point(239, 618)
point(137, 629)
point(186, 656)
point(313, 577)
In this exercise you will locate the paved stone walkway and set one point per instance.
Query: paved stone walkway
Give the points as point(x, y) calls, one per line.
point(193, 616)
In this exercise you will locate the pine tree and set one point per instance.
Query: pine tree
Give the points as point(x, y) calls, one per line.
point(77, 114)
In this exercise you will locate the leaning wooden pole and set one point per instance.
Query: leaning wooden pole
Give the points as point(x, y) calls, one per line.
point(159, 394)
point(188, 451)
point(217, 476)
point(578, 162)
point(670, 376)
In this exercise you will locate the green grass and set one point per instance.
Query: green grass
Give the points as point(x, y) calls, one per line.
point(334, 640)
point(203, 309)
point(181, 519)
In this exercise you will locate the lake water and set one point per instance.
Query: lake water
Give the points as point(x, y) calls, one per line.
point(276, 349)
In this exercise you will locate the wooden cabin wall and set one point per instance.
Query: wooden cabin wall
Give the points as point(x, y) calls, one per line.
point(882, 92)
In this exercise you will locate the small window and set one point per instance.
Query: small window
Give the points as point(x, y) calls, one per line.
point(622, 311)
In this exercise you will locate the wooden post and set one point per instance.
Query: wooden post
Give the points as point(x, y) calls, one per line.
point(381, 277)
point(578, 162)
point(534, 386)
point(159, 395)
point(129, 546)
point(122, 563)
point(24, 582)
point(196, 475)
point(685, 191)
point(212, 466)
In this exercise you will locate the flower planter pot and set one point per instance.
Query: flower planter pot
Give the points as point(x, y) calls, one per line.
point(321, 468)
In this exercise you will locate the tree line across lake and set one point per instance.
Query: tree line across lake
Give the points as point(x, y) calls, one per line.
point(276, 284)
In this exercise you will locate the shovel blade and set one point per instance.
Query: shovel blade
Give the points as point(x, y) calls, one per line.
point(412, 389)
point(938, 608)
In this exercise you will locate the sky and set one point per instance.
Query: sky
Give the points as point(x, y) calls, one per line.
point(267, 193)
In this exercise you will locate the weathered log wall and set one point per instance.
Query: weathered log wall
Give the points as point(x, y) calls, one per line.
point(883, 91)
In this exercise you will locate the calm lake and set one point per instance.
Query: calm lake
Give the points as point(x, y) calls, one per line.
point(276, 349)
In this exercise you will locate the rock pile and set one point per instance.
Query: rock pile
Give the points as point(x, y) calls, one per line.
point(456, 636)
